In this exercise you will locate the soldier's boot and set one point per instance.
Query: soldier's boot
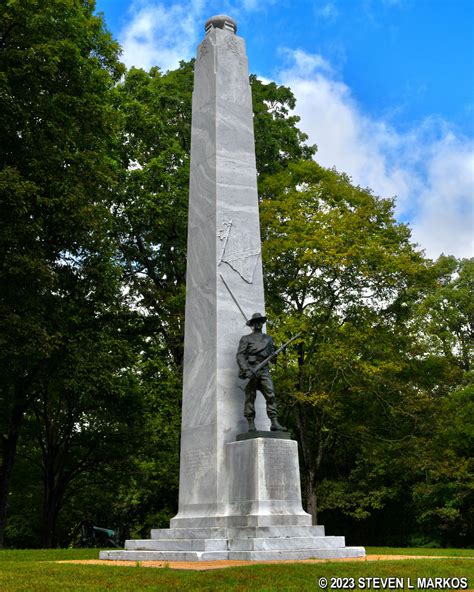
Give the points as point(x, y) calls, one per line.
point(276, 427)
point(252, 427)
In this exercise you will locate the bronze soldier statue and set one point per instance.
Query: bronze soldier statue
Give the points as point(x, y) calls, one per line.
point(254, 349)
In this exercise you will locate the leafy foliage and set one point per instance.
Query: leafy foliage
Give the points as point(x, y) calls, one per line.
point(363, 386)
point(59, 283)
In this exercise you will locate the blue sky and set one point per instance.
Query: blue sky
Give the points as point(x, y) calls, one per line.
point(385, 88)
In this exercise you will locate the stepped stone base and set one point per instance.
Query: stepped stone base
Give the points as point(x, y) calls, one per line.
point(261, 520)
point(243, 520)
point(249, 543)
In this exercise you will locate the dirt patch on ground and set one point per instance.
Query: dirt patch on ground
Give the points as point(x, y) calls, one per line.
point(205, 565)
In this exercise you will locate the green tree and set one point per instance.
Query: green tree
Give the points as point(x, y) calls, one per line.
point(86, 412)
point(448, 313)
point(339, 267)
point(151, 210)
point(443, 494)
point(278, 141)
point(58, 68)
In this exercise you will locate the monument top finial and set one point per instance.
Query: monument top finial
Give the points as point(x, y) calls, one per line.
point(221, 21)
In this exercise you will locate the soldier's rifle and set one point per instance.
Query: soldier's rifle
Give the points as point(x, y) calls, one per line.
point(274, 354)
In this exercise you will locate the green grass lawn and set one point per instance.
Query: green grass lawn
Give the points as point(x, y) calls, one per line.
point(420, 551)
point(36, 571)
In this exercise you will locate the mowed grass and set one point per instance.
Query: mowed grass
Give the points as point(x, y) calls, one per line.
point(420, 551)
point(37, 571)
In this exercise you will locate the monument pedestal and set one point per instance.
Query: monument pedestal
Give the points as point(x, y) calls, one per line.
point(262, 520)
point(264, 484)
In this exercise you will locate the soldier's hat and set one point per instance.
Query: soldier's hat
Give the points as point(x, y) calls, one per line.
point(256, 317)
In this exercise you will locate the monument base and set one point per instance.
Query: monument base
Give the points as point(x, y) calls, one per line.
point(262, 543)
point(263, 519)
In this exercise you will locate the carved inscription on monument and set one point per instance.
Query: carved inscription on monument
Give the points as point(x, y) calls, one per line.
point(279, 476)
point(203, 50)
point(232, 45)
point(196, 462)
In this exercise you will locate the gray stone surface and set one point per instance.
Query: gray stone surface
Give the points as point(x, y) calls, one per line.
point(221, 21)
point(177, 545)
point(275, 531)
point(164, 555)
point(237, 499)
point(243, 520)
point(265, 480)
point(189, 533)
point(342, 553)
point(234, 532)
point(265, 519)
point(286, 543)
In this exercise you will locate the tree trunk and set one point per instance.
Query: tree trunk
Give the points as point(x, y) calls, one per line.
point(311, 500)
point(54, 452)
point(307, 471)
point(50, 508)
point(55, 483)
point(312, 450)
point(312, 446)
point(9, 448)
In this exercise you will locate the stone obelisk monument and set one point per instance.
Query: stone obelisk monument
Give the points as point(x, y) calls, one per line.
point(239, 496)
point(224, 282)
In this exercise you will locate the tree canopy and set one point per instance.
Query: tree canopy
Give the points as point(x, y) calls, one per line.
point(363, 388)
point(59, 284)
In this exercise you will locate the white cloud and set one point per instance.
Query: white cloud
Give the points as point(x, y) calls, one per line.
point(444, 221)
point(429, 168)
point(304, 64)
point(161, 34)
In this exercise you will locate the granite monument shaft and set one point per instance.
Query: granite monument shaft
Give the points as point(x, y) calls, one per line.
point(224, 270)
